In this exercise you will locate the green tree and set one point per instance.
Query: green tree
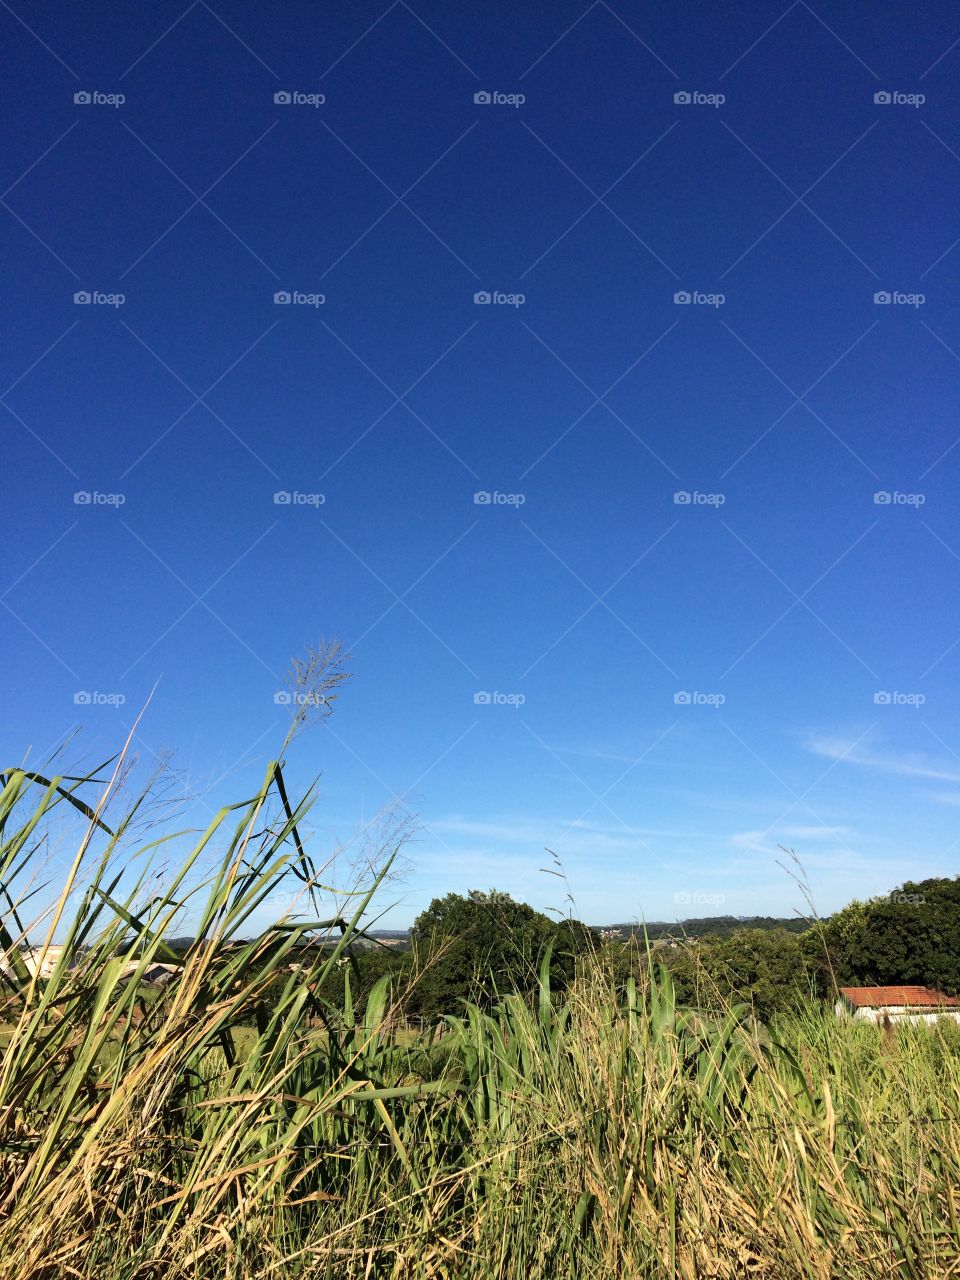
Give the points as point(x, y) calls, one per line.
point(828, 947)
point(365, 969)
point(482, 946)
point(764, 968)
point(911, 935)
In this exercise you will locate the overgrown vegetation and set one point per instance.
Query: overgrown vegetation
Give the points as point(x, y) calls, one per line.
point(242, 1123)
point(474, 947)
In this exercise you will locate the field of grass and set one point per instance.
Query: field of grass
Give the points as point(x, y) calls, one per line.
point(212, 1133)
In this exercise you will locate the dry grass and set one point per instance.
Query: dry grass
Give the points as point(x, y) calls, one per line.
point(211, 1134)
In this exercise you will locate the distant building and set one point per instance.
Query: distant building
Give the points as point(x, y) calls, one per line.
point(41, 964)
point(31, 957)
point(887, 1005)
point(155, 975)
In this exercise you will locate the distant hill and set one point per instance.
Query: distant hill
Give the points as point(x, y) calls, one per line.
point(701, 927)
point(693, 927)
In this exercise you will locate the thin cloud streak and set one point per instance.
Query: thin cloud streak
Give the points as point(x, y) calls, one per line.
point(914, 764)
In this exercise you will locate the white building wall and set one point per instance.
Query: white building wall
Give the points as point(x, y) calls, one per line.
point(895, 1013)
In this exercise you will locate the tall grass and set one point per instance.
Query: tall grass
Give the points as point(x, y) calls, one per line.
point(232, 1126)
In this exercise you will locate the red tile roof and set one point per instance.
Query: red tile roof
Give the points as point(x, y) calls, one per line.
point(898, 997)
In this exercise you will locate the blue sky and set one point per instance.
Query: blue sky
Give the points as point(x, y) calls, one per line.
point(701, 630)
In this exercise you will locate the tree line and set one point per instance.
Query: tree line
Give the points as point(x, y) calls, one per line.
point(483, 945)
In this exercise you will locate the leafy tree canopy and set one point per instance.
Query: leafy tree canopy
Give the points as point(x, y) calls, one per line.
point(764, 968)
point(911, 935)
point(484, 945)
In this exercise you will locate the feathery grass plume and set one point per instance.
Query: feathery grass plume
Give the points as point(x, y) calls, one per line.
point(313, 684)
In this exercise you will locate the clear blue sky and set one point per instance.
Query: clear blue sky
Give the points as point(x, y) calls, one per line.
point(595, 596)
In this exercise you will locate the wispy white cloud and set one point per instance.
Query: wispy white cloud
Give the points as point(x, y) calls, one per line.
point(915, 764)
point(618, 757)
point(943, 797)
point(542, 831)
point(674, 747)
point(769, 841)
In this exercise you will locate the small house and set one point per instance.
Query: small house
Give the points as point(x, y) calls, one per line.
point(886, 1005)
